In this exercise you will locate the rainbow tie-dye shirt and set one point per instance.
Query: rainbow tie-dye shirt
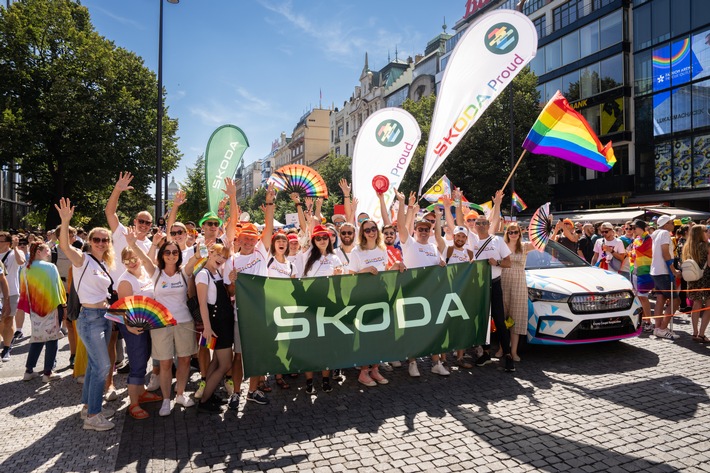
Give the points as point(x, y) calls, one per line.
point(41, 289)
point(641, 262)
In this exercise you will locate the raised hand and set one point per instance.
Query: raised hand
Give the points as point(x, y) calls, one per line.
point(131, 236)
point(64, 209)
point(457, 194)
point(124, 181)
point(295, 198)
point(446, 200)
point(345, 187)
point(412, 198)
point(180, 198)
point(498, 198)
point(270, 193)
point(230, 188)
point(437, 212)
point(399, 196)
point(309, 203)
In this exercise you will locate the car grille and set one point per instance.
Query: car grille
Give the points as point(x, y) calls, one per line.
point(603, 302)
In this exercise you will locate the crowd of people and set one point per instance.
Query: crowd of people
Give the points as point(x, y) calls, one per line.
point(67, 281)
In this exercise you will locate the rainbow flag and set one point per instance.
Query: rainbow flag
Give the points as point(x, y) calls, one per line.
point(563, 132)
point(518, 203)
point(440, 188)
point(486, 208)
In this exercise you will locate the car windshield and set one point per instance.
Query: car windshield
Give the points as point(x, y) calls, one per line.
point(554, 256)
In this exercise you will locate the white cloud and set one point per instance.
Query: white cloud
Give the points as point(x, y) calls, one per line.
point(118, 18)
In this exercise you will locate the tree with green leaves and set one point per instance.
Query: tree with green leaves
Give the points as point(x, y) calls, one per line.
point(195, 204)
point(481, 161)
point(75, 111)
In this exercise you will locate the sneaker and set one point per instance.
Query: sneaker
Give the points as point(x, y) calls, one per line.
point(396, 364)
point(64, 331)
point(16, 337)
point(200, 389)
point(229, 386)
point(258, 397)
point(30, 376)
point(154, 383)
point(509, 364)
point(165, 409)
point(366, 380)
point(484, 359)
point(668, 335)
point(98, 423)
point(184, 401)
point(5, 354)
point(386, 367)
point(648, 327)
point(79, 379)
point(209, 406)
point(327, 388)
point(107, 413)
point(111, 394)
point(413, 370)
point(439, 369)
point(338, 375)
point(310, 388)
point(375, 375)
point(233, 403)
point(71, 361)
point(50, 377)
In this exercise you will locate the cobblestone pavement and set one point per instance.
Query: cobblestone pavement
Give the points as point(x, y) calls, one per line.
point(638, 405)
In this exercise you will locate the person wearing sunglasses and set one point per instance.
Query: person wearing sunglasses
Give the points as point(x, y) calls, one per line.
point(609, 251)
point(347, 234)
point(418, 252)
point(564, 234)
point(13, 258)
point(210, 224)
point(515, 289)
point(640, 266)
point(664, 274)
point(320, 261)
point(93, 282)
point(585, 244)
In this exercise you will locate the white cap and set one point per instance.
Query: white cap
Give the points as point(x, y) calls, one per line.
point(458, 230)
point(664, 219)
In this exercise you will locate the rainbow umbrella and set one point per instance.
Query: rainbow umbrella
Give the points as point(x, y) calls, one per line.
point(540, 227)
point(142, 312)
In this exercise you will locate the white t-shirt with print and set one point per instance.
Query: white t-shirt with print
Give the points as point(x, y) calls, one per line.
point(171, 291)
point(458, 255)
point(254, 263)
point(323, 266)
point(416, 255)
point(279, 270)
point(601, 246)
point(344, 258)
point(658, 265)
point(361, 259)
point(142, 286)
point(92, 287)
point(119, 243)
point(496, 249)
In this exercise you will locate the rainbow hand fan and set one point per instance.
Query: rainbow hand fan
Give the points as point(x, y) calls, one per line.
point(540, 227)
point(297, 177)
point(143, 312)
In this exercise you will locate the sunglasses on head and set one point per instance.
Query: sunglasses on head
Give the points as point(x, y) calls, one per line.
point(322, 238)
point(100, 240)
point(370, 229)
point(132, 260)
point(171, 252)
point(346, 233)
point(144, 222)
point(337, 224)
point(176, 233)
point(212, 223)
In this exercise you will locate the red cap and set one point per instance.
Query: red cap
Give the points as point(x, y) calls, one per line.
point(320, 230)
point(292, 237)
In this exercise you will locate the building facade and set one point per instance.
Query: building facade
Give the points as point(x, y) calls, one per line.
point(310, 140)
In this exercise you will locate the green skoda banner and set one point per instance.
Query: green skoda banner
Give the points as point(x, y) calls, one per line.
point(224, 151)
point(293, 325)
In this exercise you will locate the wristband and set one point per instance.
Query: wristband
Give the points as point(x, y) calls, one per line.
point(298, 204)
point(268, 203)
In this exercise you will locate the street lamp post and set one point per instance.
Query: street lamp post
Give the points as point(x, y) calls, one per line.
point(159, 138)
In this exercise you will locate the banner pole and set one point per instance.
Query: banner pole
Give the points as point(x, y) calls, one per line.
point(514, 168)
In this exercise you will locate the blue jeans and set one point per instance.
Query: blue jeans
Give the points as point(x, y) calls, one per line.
point(50, 354)
point(138, 351)
point(95, 332)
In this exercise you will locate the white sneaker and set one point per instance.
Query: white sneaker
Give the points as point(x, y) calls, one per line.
point(165, 409)
point(665, 334)
point(154, 382)
point(385, 366)
point(50, 377)
point(184, 401)
point(396, 364)
point(30, 376)
point(98, 423)
point(107, 413)
point(79, 379)
point(439, 369)
point(413, 370)
point(111, 394)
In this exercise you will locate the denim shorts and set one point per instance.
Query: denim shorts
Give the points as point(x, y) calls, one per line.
point(662, 284)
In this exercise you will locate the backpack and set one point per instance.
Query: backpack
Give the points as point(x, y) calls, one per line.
point(691, 270)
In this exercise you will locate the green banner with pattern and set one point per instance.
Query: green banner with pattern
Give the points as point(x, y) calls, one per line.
point(310, 324)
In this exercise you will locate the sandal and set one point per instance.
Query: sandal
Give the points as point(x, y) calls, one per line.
point(282, 383)
point(264, 387)
point(695, 338)
point(463, 364)
point(148, 396)
point(703, 339)
point(137, 412)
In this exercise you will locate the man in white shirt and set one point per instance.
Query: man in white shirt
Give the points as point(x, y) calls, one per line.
point(610, 248)
point(12, 259)
point(346, 233)
point(663, 273)
point(493, 249)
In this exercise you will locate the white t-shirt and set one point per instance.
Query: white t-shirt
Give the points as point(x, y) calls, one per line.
point(92, 288)
point(142, 286)
point(458, 255)
point(187, 254)
point(496, 249)
point(658, 265)
point(119, 243)
point(279, 270)
point(254, 263)
point(472, 240)
point(361, 259)
point(171, 291)
point(601, 246)
point(324, 266)
point(12, 272)
point(416, 255)
point(203, 278)
point(344, 257)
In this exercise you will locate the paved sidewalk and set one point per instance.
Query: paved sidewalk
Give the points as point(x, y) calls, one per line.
point(638, 405)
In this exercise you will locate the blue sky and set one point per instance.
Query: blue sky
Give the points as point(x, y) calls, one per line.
point(261, 64)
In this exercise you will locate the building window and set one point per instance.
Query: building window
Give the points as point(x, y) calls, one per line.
point(597, 4)
point(611, 29)
point(531, 6)
point(612, 72)
point(701, 161)
point(567, 14)
point(540, 25)
point(570, 48)
point(347, 149)
point(553, 57)
point(347, 127)
point(589, 39)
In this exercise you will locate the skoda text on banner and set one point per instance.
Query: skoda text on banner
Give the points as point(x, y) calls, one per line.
point(343, 321)
point(385, 145)
point(224, 151)
point(485, 60)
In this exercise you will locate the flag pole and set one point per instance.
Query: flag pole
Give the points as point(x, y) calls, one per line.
point(514, 168)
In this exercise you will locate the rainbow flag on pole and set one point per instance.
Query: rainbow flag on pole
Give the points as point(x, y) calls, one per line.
point(563, 132)
point(440, 188)
point(518, 203)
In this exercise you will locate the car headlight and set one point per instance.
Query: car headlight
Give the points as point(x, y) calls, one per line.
point(588, 303)
point(548, 296)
